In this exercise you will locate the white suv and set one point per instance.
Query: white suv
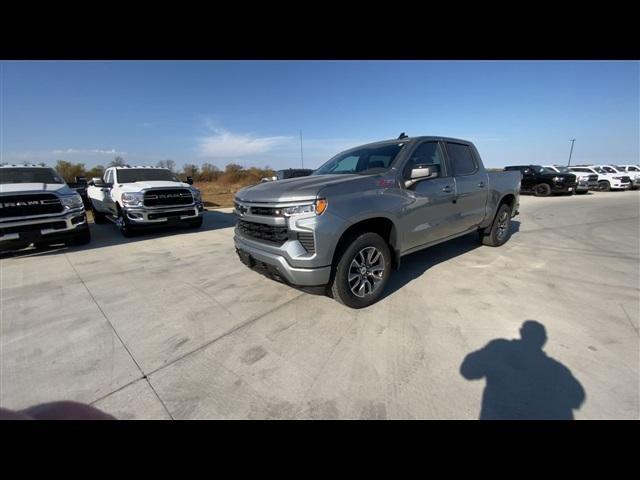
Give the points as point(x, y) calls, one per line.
point(606, 180)
point(634, 173)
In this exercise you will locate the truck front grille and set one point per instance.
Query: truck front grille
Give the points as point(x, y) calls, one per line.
point(266, 211)
point(593, 178)
point(306, 239)
point(265, 233)
point(166, 197)
point(27, 205)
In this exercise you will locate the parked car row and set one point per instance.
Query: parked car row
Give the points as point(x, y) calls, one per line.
point(546, 180)
point(38, 207)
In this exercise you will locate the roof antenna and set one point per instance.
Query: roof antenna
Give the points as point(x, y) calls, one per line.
point(402, 135)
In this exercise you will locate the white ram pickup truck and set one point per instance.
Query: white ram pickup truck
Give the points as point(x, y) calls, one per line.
point(136, 197)
point(38, 207)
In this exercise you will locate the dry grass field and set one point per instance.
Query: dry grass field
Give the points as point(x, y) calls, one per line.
point(215, 195)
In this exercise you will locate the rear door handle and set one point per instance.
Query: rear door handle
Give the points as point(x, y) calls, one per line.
point(447, 189)
point(481, 185)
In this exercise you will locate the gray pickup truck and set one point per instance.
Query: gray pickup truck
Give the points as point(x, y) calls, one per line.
point(38, 207)
point(348, 224)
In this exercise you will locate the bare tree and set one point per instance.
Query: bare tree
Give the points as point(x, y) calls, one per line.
point(170, 164)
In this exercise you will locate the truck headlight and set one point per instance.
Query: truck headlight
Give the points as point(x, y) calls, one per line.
point(133, 199)
point(197, 195)
point(72, 201)
point(318, 207)
point(558, 179)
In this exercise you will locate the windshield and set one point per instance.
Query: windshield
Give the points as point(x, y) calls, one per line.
point(366, 160)
point(540, 169)
point(609, 169)
point(130, 175)
point(29, 175)
point(599, 170)
point(559, 169)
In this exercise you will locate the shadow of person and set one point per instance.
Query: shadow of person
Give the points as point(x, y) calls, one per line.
point(522, 381)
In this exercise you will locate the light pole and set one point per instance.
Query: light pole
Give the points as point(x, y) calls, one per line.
point(571, 151)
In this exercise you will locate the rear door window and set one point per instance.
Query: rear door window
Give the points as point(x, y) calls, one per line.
point(461, 159)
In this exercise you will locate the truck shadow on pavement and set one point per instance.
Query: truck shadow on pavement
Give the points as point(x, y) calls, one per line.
point(107, 234)
point(414, 265)
point(522, 381)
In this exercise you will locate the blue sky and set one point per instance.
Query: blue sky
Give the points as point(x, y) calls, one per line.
point(251, 112)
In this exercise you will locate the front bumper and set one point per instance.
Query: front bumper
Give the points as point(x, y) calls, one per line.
point(277, 267)
point(564, 188)
point(162, 215)
point(618, 185)
point(22, 233)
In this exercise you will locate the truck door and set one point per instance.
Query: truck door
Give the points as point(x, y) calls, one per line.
point(101, 196)
point(427, 217)
point(470, 187)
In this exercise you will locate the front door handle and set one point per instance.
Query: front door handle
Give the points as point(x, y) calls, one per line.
point(481, 185)
point(447, 189)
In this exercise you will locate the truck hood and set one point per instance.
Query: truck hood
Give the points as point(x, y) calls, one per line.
point(292, 189)
point(60, 188)
point(137, 186)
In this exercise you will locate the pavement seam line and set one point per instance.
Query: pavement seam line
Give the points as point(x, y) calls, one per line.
point(225, 334)
point(117, 335)
point(629, 318)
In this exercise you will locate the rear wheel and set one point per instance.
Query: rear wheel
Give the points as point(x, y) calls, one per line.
point(542, 190)
point(604, 186)
point(499, 231)
point(98, 217)
point(362, 271)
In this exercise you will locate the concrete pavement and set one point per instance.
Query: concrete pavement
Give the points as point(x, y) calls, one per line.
point(172, 325)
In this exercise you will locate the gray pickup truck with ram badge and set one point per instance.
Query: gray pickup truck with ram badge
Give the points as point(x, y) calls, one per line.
point(348, 224)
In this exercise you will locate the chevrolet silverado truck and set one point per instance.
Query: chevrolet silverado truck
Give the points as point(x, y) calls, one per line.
point(38, 207)
point(543, 182)
point(347, 225)
point(138, 197)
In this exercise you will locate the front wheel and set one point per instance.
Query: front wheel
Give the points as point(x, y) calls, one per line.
point(542, 190)
point(604, 186)
point(362, 271)
point(124, 225)
point(499, 231)
point(195, 223)
point(81, 238)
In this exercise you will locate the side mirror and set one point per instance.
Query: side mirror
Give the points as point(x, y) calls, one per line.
point(421, 172)
point(97, 181)
point(190, 180)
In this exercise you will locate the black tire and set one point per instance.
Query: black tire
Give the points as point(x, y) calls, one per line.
point(341, 289)
point(542, 190)
point(195, 223)
point(604, 186)
point(500, 231)
point(98, 217)
point(81, 238)
point(124, 225)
